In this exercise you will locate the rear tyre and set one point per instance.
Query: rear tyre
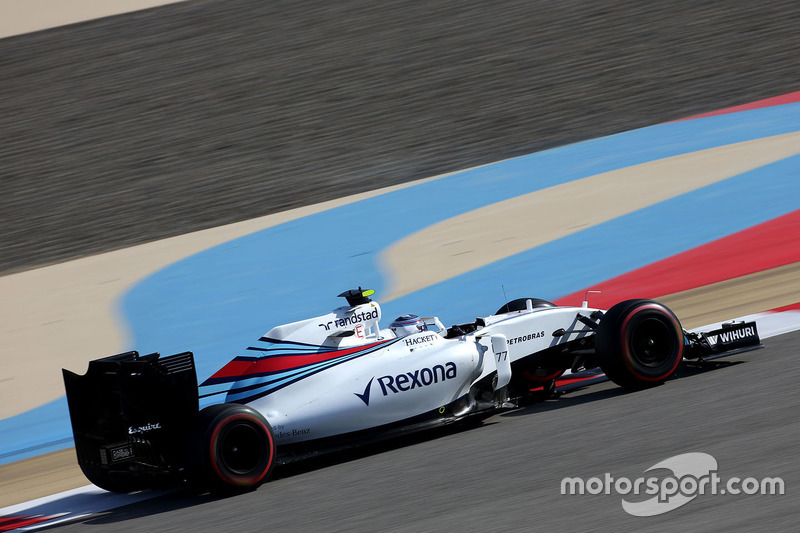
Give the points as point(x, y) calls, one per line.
point(234, 448)
point(520, 305)
point(639, 343)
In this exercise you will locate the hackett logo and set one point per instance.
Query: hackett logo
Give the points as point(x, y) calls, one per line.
point(414, 341)
point(424, 377)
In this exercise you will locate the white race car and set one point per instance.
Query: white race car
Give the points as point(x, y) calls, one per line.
point(339, 379)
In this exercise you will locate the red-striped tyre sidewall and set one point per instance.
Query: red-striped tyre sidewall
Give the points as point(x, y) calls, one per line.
point(616, 335)
point(220, 422)
point(625, 332)
point(220, 470)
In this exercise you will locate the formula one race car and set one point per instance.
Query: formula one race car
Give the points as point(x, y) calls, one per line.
point(339, 379)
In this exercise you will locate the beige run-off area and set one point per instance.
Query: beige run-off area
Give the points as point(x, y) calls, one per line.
point(25, 16)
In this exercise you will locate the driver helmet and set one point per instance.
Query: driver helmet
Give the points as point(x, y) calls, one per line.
point(407, 324)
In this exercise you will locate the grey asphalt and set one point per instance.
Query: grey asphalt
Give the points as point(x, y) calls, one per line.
point(146, 125)
point(505, 475)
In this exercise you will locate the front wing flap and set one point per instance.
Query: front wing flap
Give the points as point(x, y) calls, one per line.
point(731, 338)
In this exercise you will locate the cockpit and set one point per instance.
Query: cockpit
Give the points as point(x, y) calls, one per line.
point(355, 324)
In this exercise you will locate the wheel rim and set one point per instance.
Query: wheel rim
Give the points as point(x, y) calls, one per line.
point(652, 343)
point(241, 448)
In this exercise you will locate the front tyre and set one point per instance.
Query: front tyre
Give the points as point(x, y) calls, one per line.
point(234, 448)
point(639, 343)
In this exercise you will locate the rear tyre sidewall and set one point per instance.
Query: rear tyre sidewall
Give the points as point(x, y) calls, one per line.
point(639, 343)
point(234, 448)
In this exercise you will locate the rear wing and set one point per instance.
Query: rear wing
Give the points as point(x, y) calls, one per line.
point(130, 416)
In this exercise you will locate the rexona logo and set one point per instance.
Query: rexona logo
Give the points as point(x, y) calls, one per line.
point(351, 320)
point(424, 377)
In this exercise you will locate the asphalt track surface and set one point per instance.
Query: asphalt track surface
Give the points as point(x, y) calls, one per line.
point(150, 124)
point(505, 475)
